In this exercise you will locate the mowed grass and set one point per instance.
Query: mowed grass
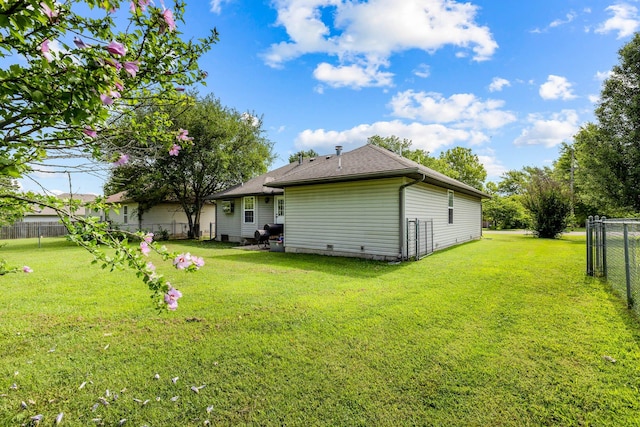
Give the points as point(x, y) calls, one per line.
point(506, 331)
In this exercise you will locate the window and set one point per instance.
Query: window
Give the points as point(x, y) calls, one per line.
point(248, 208)
point(450, 193)
point(125, 213)
point(279, 207)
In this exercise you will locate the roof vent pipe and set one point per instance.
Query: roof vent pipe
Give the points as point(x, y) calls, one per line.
point(300, 158)
point(338, 153)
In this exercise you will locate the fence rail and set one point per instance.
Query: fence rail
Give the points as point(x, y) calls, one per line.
point(613, 252)
point(419, 238)
point(26, 230)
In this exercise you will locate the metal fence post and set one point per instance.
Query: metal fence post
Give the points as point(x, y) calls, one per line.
point(627, 268)
point(604, 246)
point(589, 246)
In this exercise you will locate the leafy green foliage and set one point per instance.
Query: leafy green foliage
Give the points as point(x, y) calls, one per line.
point(228, 147)
point(461, 164)
point(505, 212)
point(67, 79)
point(305, 154)
point(458, 163)
point(607, 151)
point(548, 203)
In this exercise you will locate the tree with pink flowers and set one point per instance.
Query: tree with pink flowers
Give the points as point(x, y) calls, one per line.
point(69, 72)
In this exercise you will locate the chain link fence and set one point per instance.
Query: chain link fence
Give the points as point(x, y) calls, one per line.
point(613, 252)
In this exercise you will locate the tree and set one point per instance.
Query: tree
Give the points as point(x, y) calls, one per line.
point(304, 154)
point(66, 79)
point(549, 204)
point(609, 149)
point(505, 212)
point(461, 164)
point(513, 182)
point(226, 148)
point(403, 147)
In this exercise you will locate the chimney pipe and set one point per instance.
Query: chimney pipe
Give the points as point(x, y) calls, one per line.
point(300, 158)
point(338, 150)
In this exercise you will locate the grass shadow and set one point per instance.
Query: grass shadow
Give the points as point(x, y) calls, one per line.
point(341, 266)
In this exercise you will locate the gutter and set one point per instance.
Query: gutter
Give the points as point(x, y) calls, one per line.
point(401, 212)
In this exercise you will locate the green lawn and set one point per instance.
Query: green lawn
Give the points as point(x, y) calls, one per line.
point(499, 332)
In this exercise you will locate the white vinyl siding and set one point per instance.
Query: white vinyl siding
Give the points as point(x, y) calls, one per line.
point(350, 219)
point(265, 211)
point(229, 224)
point(424, 202)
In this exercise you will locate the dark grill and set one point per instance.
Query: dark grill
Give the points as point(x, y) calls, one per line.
point(270, 231)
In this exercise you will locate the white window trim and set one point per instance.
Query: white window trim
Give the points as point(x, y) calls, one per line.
point(450, 204)
point(244, 209)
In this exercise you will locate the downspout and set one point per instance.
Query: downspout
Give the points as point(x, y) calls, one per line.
point(401, 212)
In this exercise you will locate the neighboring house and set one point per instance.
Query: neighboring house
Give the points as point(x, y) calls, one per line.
point(166, 216)
point(369, 203)
point(40, 214)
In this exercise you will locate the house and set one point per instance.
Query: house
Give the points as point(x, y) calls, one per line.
point(45, 214)
point(369, 203)
point(168, 216)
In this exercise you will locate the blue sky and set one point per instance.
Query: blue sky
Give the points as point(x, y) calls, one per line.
point(509, 79)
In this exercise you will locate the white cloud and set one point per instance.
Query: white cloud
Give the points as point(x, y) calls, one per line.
point(422, 71)
point(354, 76)
point(603, 75)
point(550, 131)
point(462, 110)
point(625, 20)
point(558, 22)
point(429, 137)
point(594, 99)
point(368, 33)
point(498, 83)
point(569, 17)
point(216, 5)
point(556, 87)
point(491, 163)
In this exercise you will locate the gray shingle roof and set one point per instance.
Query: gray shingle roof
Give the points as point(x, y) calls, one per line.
point(366, 162)
point(256, 186)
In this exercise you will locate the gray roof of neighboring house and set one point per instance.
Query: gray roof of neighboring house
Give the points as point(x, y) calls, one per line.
point(257, 186)
point(366, 162)
point(38, 211)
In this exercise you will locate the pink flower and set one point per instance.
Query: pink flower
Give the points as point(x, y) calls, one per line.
point(197, 261)
point(51, 14)
point(148, 237)
point(116, 48)
point(106, 99)
point(123, 159)
point(142, 4)
point(180, 89)
point(131, 67)
point(167, 15)
point(119, 86)
point(182, 136)
point(150, 266)
point(90, 132)
point(174, 150)
point(182, 261)
point(27, 269)
point(115, 64)
point(114, 94)
point(44, 48)
point(144, 248)
point(171, 297)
